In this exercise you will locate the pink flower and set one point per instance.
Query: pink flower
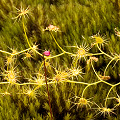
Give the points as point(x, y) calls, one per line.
point(52, 28)
point(46, 53)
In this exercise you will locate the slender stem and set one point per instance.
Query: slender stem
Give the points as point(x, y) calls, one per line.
point(104, 52)
point(99, 77)
point(37, 52)
point(95, 72)
point(25, 32)
point(4, 82)
point(57, 42)
point(70, 81)
point(108, 95)
point(85, 89)
point(110, 91)
point(36, 87)
point(108, 65)
point(47, 88)
point(55, 56)
point(90, 85)
point(91, 54)
point(41, 66)
point(35, 84)
point(75, 63)
point(5, 52)
point(21, 52)
point(27, 38)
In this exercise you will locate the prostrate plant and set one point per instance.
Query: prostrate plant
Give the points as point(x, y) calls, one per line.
point(62, 78)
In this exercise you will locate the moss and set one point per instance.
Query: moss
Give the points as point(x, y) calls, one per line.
point(79, 22)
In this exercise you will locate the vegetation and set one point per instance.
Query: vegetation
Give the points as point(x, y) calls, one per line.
point(74, 45)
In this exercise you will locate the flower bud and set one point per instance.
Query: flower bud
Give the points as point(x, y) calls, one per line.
point(46, 53)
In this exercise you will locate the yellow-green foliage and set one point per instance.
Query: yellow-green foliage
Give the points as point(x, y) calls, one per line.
point(82, 71)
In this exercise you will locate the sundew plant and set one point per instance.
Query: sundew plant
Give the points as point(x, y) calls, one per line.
point(59, 60)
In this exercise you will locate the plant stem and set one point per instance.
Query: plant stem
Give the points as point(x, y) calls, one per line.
point(47, 87)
